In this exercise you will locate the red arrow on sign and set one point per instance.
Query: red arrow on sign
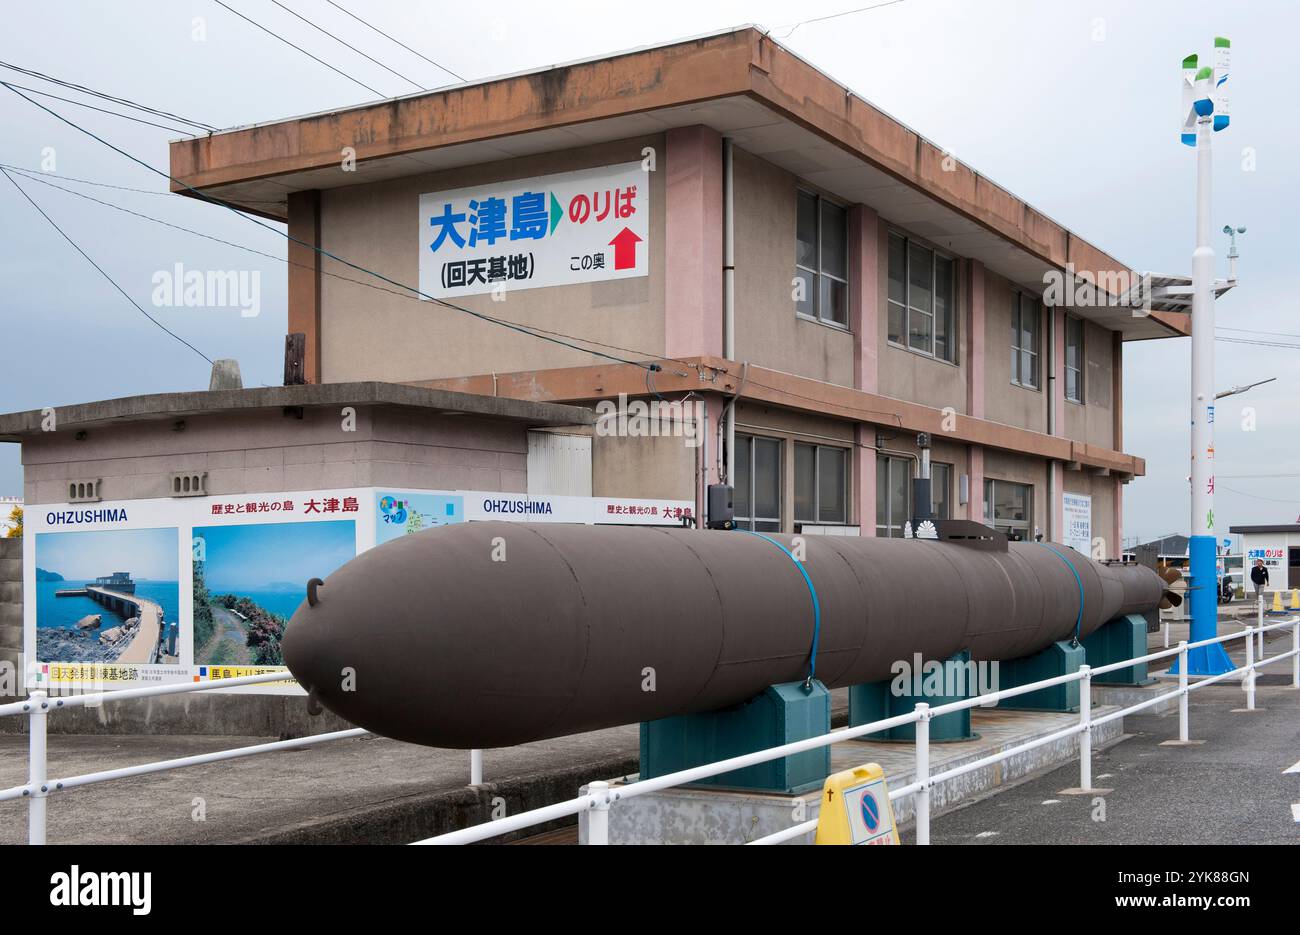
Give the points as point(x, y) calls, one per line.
point(624, 244)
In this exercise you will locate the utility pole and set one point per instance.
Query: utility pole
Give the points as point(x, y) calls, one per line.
point(1203, 88)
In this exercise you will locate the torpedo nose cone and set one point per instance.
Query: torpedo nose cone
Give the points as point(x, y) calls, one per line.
point(433, 639)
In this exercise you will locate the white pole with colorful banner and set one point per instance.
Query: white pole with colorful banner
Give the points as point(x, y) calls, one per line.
point(1204, 88)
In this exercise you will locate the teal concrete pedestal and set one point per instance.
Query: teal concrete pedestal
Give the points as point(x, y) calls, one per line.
point(1122, 638)
point(1061, 658)
point(781, 714)
point(952, 680)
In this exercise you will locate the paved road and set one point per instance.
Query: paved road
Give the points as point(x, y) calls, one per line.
point(1231, 789)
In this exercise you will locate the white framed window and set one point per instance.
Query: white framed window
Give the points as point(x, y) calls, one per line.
point(922, 299)
point(941, 489)
point(1074, 359)
point(1026, 319)
point(821, 260)
point(1009, 508)
point(821, 484)
point(756, 497)
point(893, 495)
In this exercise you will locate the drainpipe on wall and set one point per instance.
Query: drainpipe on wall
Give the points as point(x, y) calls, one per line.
point(1050, 512)
point(728, 298)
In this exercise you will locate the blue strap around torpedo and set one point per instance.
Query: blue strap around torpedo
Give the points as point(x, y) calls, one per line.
point(1078, 621)
point(817, 607)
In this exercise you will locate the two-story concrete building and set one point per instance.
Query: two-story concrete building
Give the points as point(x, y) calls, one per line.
point(824, 280)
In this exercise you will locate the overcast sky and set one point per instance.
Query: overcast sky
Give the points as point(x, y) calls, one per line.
point(1074, 106)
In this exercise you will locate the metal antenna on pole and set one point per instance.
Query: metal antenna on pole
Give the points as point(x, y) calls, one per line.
point(1204, 88)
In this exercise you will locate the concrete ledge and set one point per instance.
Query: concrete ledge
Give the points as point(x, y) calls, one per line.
point(229, 715)
point(704, 816)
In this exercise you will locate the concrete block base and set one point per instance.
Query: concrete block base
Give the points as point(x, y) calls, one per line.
point(709, 816)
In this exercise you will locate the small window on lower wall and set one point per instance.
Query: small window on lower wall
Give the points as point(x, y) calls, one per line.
point(893, 495)
point(756, 497)
point(1009, 508)
point(941, 490)
point(820, 484)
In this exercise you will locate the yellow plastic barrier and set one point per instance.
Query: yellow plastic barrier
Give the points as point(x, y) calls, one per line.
point(1277, 602)
point(855, 808)
point(1295, 598)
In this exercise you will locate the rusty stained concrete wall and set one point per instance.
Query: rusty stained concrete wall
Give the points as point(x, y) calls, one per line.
point(368, 334)
point(11, 614)
point(261, 451)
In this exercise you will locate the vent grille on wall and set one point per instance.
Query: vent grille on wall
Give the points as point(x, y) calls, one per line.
point(80, 491)
point(190, 484)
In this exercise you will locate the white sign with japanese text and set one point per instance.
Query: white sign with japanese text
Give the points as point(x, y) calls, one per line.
point(556, 230)
point(1077, 514)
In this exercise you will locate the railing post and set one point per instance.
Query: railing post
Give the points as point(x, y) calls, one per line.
point(1261, 627)
point(1295, 660)
point(1249, 679)
point(1182, 691)
point(1085, 723)
point(598, 817)
point(922, 799)
point(36, 767)
point(476, 767)
point(1166, 633)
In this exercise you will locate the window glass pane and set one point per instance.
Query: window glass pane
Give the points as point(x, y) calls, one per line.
point(767, 478)
point(895, 323)
point(943, 307)
point(805, 292)
point(1015, 364)
point(1029, 324)
point(920, 333)
point(1073, 342)
point(805, 483)
point(831, 502)
point(835, 301)
point(920, 278)
point(805, 251)
point(940, 486)
point(1028, 369)
point(897, 269)
point(988, 501)
point(898, 499)
point(740, 494)
point(835, 240)
point(1072, 384)
point(882, 492)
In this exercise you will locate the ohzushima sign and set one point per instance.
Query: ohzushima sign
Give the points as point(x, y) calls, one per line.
point(556, 230)
point(140, 592)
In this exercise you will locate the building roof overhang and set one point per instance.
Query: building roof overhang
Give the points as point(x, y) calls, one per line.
point(740, 82)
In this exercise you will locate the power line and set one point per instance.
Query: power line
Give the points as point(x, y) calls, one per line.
point(67, 100)
point(299, 48)
point(1282, 344)
point(1252, 496)
point(72, 85)
point(1275, 334)
point(398, 41)
point(822, 19)
point(101, 270)
point(41, 176)
point(348, 44)
point(319, 250)
point(37, 177)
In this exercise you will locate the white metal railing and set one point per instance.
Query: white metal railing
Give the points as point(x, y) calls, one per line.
point(601, 795)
